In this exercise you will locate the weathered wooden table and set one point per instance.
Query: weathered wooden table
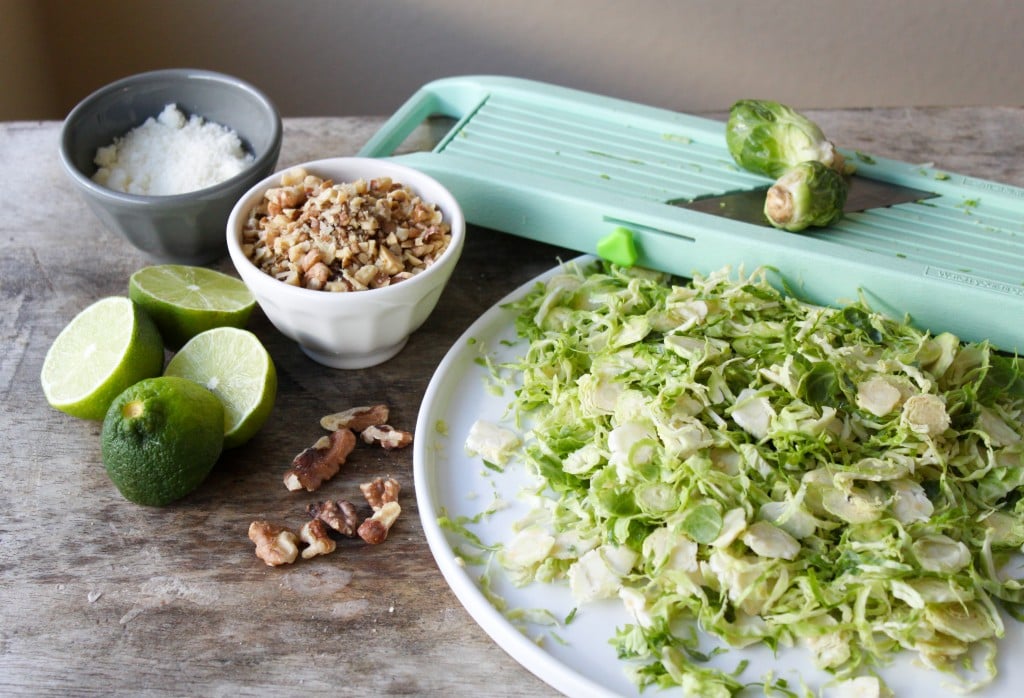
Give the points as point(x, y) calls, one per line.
point(102, 597)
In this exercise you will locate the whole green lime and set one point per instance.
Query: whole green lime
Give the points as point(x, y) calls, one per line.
point(160, 439)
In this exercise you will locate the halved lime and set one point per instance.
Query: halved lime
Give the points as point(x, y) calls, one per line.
point(185, 300)
point(235, 366)
point(107, 347)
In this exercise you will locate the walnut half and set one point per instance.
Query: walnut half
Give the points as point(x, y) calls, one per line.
point(386, 436)
point(356, 418)
point(380, 491)
point(275, 545)
point(317, 539)
point(321, 461)
point(340, 515)
point(375, 529)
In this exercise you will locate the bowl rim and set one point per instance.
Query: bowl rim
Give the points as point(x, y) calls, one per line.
point(184, 74)
point(252, 274)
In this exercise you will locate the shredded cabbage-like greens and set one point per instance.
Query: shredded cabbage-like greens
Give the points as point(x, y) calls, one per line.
point(722, 456)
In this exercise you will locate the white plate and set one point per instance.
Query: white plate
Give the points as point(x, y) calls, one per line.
point(580, 661)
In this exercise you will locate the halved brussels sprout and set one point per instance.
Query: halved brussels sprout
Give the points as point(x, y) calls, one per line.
point(769, 138)
point(808, 194)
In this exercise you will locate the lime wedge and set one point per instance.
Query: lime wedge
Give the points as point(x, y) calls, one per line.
point(106, 348)
point(235, 366)
point(184, 300)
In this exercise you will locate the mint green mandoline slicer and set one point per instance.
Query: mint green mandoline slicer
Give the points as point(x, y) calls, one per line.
point(601, 175)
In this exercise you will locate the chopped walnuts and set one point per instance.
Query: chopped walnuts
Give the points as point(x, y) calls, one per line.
point(371, 424)
point(322, 461)
point(331, 519)
point(349, 236)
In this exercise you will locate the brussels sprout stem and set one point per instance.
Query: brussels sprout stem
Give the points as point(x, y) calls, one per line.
point(778, 205)
point(809, 194)
point(839, 163)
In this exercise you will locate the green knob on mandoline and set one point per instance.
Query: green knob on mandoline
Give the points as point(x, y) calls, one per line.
point(618, 247)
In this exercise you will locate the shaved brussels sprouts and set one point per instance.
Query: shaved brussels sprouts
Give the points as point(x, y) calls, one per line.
point(723, 457)
point(769, 138)
point(808, 194)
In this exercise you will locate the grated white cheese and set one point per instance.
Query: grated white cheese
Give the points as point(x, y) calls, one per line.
point(491, 442)
point(171, 154)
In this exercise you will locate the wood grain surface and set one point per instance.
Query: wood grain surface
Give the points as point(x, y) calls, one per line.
point(102, 597)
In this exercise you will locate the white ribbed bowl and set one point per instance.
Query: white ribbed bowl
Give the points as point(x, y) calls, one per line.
point(354, 329)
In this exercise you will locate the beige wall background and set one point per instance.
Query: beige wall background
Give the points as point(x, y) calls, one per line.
point(359, 57)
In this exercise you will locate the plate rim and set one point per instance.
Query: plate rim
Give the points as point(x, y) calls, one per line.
point(527, 653)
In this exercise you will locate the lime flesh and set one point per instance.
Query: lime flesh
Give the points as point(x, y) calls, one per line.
point(235, 366)
point(107, 347)
point(185, 301)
